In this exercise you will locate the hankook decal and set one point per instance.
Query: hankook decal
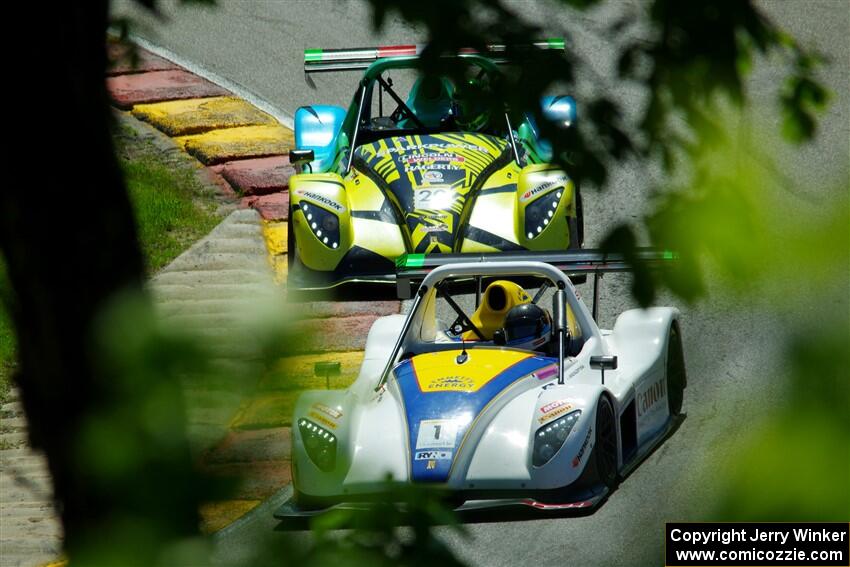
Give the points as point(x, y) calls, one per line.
point(543, 187)
point(320, 200)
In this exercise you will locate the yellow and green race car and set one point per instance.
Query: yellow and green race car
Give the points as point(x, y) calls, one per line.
point(437, 173)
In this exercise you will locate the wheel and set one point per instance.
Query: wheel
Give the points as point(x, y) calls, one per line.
point(575, 242)
point(676, 378)
point(290, 242)
point(605, 448)
point(576, 225)
point(579, 219)
point(308, 503)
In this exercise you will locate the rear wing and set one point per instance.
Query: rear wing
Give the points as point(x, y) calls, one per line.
point(411, 269)
point(327, 60)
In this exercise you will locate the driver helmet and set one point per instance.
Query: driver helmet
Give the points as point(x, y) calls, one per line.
point(528, 326)
point(499, 297)
point(470, 108)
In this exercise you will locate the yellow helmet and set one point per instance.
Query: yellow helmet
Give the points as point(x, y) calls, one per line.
point(499, 297)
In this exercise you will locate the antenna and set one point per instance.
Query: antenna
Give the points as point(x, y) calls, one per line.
point(463, 356)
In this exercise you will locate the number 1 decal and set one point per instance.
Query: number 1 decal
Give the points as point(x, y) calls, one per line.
point(436, 434)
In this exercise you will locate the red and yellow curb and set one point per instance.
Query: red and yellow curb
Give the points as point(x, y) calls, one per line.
point(247, 147)
point(245, 150)
point(198, 115)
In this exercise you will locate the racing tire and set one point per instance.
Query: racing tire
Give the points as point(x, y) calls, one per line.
point(575, 242)
point(602, 465)
point(575, 226)
point(604, 453)
point(676, 377)
point(290, 242)
point(579, 222)
point(308, 503)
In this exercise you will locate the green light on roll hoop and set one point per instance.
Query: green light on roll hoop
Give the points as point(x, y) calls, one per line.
point(410, 261)
point(555, 42)
point(312, 55)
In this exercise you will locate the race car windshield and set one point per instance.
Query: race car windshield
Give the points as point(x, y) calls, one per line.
point(456, 312)
point(433, 104)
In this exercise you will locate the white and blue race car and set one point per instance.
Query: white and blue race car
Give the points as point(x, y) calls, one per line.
point(521, 401)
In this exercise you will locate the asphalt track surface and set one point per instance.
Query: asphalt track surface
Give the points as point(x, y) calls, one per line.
point(732, 344)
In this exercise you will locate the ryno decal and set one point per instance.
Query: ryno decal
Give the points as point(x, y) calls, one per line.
point(432, 455)
point(649, 397)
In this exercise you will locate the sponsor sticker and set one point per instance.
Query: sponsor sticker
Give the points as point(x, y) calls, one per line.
point(557, 412)
point(436, 434)
point(320, 199)
point(552, 405)
point(542, 188)
point(336, 414)
point(435, 228)
point(647, 400)
point(459, 383)
point(440, 147)
point(432, 156)
point(432, 176)
point(575, 371)
point(316, 416)
point(432, 455)
point(580, 455)
point(451, 166)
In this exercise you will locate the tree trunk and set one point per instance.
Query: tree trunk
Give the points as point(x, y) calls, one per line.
point(68, 236)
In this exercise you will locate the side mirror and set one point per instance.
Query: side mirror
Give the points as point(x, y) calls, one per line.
point(317, 128)
point(326, 369)
point(602, 363)
point(300, 158)
point(560, 109)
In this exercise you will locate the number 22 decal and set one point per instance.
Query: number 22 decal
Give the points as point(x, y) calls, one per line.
point(432, 198)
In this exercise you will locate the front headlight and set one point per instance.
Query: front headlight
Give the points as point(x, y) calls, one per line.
point(323, 223)
point(549, 438)
point(540, 212)
point(319, 443)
